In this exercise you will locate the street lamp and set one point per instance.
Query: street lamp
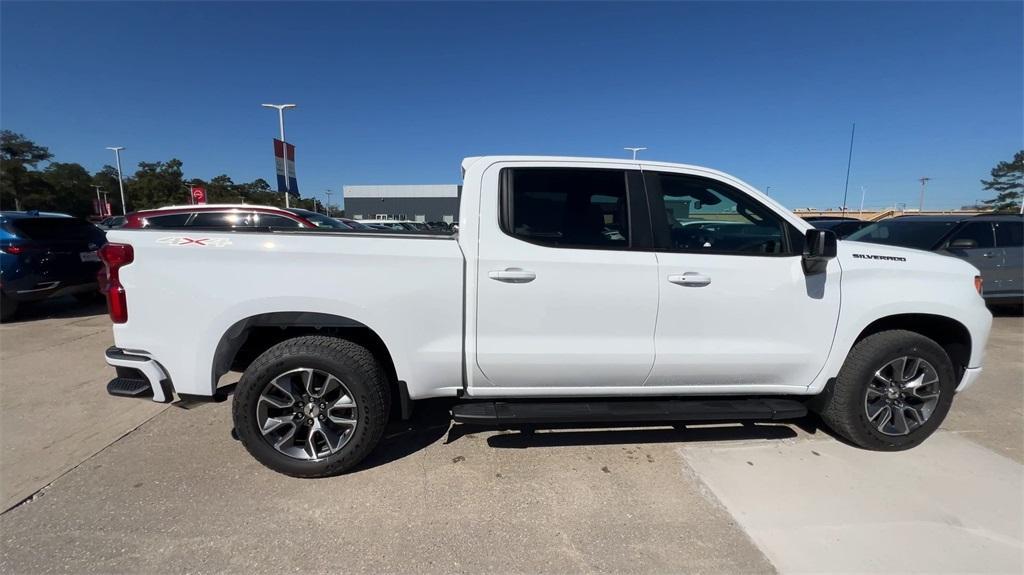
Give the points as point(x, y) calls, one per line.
point(120, 182)
point(328, 192)
point(634, 150)
point(280, 117)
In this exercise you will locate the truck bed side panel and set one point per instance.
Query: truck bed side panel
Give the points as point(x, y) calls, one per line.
point(184, 294)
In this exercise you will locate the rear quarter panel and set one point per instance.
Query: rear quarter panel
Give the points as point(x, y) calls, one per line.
point(183, 296)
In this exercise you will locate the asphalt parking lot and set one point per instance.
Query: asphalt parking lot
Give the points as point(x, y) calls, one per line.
point(97, 484)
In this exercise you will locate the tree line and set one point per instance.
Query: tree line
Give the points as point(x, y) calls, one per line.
point(30, 179)
point(68, 187)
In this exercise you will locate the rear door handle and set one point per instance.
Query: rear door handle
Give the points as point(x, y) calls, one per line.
point(692, 279)
point(512, 275)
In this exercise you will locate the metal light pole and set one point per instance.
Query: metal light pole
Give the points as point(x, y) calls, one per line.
point(99, 201)
point(924, 181)
point(120, 182)
point(862, 193)
point(280, 117)
point(328, 192)
point(634, 150)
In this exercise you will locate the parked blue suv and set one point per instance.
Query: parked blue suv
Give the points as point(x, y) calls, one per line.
point(44, 255)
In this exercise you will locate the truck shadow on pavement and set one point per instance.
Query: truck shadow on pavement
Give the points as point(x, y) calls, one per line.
point(431, 422)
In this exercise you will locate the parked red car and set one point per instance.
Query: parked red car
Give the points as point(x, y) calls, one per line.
point(229, 216)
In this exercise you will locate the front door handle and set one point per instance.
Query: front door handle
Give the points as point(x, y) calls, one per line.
point(988, 255)
point(692, 279)
point(512, 275)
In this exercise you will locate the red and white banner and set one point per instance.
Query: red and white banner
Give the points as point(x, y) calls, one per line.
point(198, 195)
point(286, 181)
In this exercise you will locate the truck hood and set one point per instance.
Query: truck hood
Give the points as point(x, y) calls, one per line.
point(864, 254)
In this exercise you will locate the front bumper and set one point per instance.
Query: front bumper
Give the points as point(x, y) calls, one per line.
point(971, 375)
point(138, 375)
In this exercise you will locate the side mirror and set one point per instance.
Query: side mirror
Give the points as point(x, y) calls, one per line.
point(963, 244)
point(819, 247)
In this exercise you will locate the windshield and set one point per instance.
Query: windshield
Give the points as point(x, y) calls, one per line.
point(904, 233)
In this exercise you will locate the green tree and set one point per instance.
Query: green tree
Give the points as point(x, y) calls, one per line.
point(70, 187)
point(17, 154)
point(1008, 183)
point(154, 184)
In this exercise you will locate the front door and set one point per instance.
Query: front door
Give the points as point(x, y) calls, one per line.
point(975, 242)
point(736, 308)
point(565, 296)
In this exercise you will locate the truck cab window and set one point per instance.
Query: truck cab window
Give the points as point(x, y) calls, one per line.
point(567, 207)
point(705, 216)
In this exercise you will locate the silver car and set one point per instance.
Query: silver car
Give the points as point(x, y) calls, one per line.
point(992, 243)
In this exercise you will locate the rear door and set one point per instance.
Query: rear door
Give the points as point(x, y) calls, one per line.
point(1010, 241)
point(736, 308)
point(567, 284)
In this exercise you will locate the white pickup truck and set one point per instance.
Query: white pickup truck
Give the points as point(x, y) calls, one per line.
point(575, 290)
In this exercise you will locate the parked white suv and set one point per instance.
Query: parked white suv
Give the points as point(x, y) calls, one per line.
point(576, 290)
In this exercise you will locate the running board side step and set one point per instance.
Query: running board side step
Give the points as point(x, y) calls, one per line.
point(667, 411)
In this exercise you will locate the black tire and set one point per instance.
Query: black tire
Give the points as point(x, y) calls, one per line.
point(843, 406)
point(351, 363)
point(8, 308)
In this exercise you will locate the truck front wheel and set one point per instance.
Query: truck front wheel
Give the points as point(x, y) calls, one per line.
point(893, 391)
point(312, 406)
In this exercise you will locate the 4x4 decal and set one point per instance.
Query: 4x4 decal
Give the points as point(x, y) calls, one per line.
point(185, 241)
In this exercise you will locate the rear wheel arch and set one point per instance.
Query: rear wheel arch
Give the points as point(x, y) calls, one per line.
point(246, 339)
point(950, 334)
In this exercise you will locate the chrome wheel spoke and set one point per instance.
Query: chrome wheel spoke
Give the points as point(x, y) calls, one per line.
point(873, 409)
point(278, 394)
point(899, 421)
point(884, 415)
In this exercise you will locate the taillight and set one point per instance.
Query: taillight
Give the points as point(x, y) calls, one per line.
point(977, 284)
point(13, 250)
point(116, 256)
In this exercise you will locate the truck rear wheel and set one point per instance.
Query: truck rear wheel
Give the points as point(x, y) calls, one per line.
point(312, 406)
point(893, 391)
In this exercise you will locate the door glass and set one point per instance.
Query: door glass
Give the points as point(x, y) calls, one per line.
point(567, 207)
point(707, 216)
point(1009, 234)
point(980, 232)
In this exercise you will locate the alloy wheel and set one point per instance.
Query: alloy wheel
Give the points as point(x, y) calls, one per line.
point(306, 414)
point(902, 395)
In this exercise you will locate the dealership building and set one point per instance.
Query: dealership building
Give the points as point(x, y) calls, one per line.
point(417, 203)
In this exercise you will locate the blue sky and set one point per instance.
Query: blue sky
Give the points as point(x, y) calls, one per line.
point(399, 93)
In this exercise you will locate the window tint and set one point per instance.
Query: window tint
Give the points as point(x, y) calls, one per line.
point(708, 216)
point(168, 221)
point(222, 220)
point(904, 232)
point(567, 207)
point(43, 229)
point(980, 232)
point(272, 221)
point(1009, 234)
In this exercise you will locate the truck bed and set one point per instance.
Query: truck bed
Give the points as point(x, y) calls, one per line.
point(186, 289)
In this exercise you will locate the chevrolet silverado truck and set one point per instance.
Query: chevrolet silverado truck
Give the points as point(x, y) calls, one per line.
point(575, 290)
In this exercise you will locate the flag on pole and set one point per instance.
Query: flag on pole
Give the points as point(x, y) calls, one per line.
point(285, 168)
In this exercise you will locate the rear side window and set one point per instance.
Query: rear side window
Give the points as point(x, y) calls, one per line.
point(1009, 234)
point(222, 220)
point(272, 221)
point(168, 221)
point(566, 207)
point(980, 232)
point(46, 229)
